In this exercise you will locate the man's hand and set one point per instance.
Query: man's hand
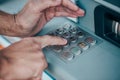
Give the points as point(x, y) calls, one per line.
point(25, 60)
point(37, 13)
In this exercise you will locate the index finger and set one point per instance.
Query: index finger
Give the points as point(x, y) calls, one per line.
point(70, 5)
point(50, 40)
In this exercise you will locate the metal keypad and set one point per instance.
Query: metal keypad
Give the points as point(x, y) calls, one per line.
point(79, 42)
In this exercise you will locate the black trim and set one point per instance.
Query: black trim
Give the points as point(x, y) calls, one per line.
point(103, 24)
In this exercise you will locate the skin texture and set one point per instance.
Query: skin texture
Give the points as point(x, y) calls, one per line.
point(24, 60)
point(36, 13)
point(42, 13)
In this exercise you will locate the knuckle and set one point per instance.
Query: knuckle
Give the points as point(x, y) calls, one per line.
point(42, 56)
point(58, 14)
point(46, 65)
point(51, 15)
point(36, 46)
point(42, 64)
point(33, 40)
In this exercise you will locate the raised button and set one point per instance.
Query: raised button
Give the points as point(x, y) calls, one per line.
point(67, 26)
point(90, 40)
point(80, 34)
point(57, 48)
point(67, 56)
point(66, 35)
point(76, 51)
point(73, 39)
point(73, 30)
point(83, 45)
point(60, 31)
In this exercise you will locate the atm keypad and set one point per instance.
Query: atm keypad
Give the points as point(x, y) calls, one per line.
point(79, 42)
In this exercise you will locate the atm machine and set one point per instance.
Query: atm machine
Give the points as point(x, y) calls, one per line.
point(93, 48)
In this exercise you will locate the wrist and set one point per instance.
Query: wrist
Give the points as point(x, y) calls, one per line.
point(8, 25)
point(19, 27)
point(28, 18)
point(24, 21)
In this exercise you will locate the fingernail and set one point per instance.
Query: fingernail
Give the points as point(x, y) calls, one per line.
point(65, 40)
point(82, 15)
point(81, 11)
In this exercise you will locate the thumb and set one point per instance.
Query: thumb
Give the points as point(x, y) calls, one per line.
point(50, 40)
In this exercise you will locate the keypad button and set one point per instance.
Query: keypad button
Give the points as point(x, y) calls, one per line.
point(57, 48)
point(73, 39)
point(73, 31)
point(91, 40)
point(76, 51)
point(83, 45)
point(60, 31)
point(67, 27)
point(80, 34)
point(66, 35)
point(67, 56)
